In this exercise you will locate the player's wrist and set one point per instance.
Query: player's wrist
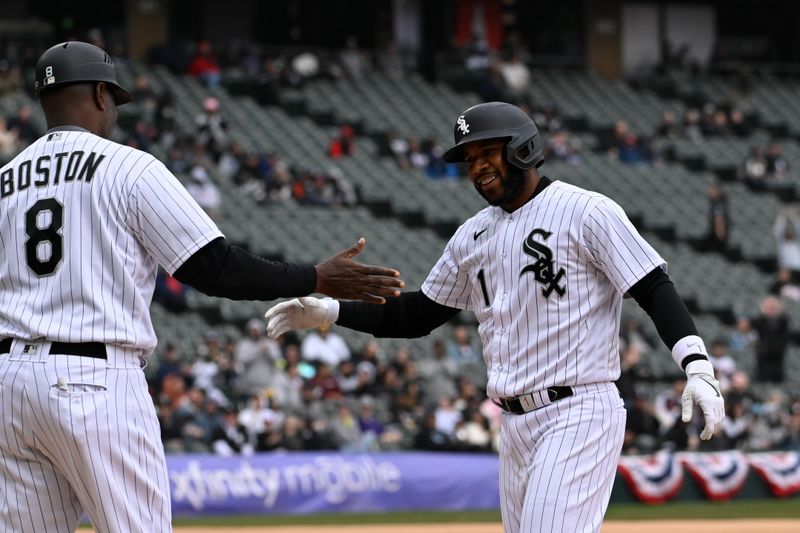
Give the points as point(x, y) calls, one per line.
point(689, 349)
point(700, 367)
point(331, 310)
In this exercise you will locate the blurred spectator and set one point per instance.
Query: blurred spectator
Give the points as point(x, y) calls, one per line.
point(170, 292)
point(204, 66)
point(324, 386)
point(353, 61)
point(447, 417)
point(692, 125)
point(516, 76)
point(259, 421)
point(772, 326)
point(669, 126)
point(641, 428)
point(718, 231)
point(10, 78)
point(787, 236)
point(743, 339)
point(212, 128)
point(562, 147)
point(390, 62)
point(287, 387)
point(472, 433)
point(740, 126)
point(9, 143)
point(22, 126)
point(344, 144)
point(477, 54)
point(630, 373)
point(203, 190)
point(753, 171)
point(325, 346)
point(229, 437)
point(667, 410)
point(735, 426)
point(439, 373)
point(430, 438)
point(255, 356)
point(460, 349)
point(777, 166)
point(723, 363)
point(346, 433)
point(633, 334)
point(785, 286)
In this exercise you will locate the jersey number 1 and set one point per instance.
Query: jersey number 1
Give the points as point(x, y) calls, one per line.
point(50, 234)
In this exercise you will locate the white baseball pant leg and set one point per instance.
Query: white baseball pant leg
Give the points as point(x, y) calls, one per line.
point(89, 442)
point(557, 463)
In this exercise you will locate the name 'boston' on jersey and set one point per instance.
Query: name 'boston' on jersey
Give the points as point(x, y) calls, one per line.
point(84, 224)
point(546, 283)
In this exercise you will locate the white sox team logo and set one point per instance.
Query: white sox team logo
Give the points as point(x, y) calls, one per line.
point(463, 127)
point(543, 269)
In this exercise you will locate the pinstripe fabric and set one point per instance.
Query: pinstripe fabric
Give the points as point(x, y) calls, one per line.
point(546, 283)
point(63, 452)
point(92, 445)
point(557, 463)
point(532, 341)
point(117, 228)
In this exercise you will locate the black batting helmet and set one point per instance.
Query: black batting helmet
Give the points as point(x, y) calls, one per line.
point(498, 120)
point(77, 62)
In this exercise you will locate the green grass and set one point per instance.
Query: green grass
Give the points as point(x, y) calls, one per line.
point(788, 508)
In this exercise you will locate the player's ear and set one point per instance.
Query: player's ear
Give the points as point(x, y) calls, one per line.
point(98, 95)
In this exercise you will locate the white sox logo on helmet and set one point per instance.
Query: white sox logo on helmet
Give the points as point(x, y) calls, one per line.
point(463, 127)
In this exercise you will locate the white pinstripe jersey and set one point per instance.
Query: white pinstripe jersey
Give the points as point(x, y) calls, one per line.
point(84, 223)
point(546, 283)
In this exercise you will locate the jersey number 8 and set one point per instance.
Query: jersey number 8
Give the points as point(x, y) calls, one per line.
point(49, 234)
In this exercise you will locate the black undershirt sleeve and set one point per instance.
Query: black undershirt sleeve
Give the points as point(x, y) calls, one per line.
point(220, 269)
point(656, 294)
point(408, 316)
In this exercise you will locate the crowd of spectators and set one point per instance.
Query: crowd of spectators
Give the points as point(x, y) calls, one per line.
point(242, 395)
point(257, 394)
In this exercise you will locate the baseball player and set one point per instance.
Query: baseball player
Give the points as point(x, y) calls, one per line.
point(84, 224)
point(544, 268)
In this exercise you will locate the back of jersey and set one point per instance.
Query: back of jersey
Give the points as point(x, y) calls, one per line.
point(84, 223)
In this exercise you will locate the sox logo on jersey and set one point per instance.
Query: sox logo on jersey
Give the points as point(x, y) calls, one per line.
point(546, 283)
point(543, 269)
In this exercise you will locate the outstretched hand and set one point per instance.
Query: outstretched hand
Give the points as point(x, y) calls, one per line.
point(301, 313)
point(343, 278)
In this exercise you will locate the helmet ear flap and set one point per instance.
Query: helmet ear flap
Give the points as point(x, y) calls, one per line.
point(525, 156)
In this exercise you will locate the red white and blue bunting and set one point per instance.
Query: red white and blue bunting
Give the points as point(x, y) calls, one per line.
point(658, 478)
point(721, 475)
point(780, 470)
point(652, 478)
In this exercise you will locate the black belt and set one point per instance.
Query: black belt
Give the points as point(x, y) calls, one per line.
point(516, 405)
point(96, 350)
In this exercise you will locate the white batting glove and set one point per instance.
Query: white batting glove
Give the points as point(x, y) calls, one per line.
point(301, 313)
point(703, 389)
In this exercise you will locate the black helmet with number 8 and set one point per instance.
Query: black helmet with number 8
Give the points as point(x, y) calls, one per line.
point(499, 120)
point(78, 62)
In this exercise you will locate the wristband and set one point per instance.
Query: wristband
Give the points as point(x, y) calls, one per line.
point(687, 348)
point(331, 310)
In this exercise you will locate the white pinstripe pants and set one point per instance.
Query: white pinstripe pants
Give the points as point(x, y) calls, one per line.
point(557, 463)
point(91, 445)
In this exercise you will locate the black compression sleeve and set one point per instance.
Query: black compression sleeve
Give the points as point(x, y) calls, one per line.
point(219, 269)
point(656, 294)
point(408, 316)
